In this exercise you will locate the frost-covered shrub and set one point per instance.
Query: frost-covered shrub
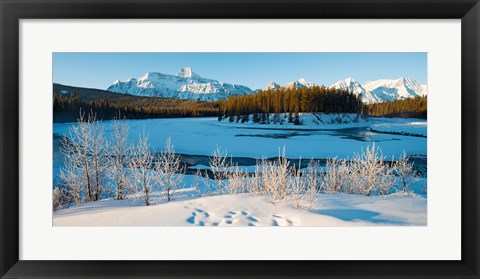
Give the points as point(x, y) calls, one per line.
point(254, 182)
point(298, 185)
point(119, 149)
point(403, 168)
point(141, 164)
point(73, 180)
point(275, 177)
point(369, 172)
point(313, 181)
point(219, 167)
point(201, 183)
point(57, 198)
point(237, 181)
point(61, 197)
point(85, 163)
point(336, 177)
point(169, 170)
point(196, 181)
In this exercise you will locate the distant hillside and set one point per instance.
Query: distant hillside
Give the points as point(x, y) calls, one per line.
point(89, 94)
point(68, 100)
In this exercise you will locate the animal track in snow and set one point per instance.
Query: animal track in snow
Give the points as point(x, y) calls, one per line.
point(239, 218)
point(199, 217)
point(280, 221)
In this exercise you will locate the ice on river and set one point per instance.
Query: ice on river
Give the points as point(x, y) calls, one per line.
point(200, 136)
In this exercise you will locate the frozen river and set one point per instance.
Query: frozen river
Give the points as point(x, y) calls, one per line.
point(196, 139)
point(200, 136)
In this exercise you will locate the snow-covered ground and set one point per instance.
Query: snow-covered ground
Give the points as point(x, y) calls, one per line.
point(412, 128)
point(249, 210)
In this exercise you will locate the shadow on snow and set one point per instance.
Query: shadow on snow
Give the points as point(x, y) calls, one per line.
point(356, 215)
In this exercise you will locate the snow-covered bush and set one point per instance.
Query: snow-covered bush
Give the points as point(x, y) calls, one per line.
point(196, 181)
point(298, 185)
point(313, 181)
point(313, 174)
point(60, 198)
point(254, 182)
point(304, 186)
point(337, 176)
point(57, 198)
point(169, 171)
point(72, 175)
point(141, 164)
point(237, 180)
point(275, 176)
point(403, 168)
point(201, 183)
point(369, 173)
point(119, 150)
point(219, 166)
point(229, 178)
point(85, 161)
point(99, 158)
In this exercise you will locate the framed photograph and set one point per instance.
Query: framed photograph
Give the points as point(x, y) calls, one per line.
point(193, 139)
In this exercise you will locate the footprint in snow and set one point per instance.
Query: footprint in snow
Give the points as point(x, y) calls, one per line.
point(191, 220)
point(200, 218)
point(239, 218)
point(280, 221)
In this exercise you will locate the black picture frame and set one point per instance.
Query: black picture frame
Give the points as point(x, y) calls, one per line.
point(11, 11)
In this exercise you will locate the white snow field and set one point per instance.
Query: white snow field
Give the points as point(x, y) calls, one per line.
point(413, 128)
point(249, 210)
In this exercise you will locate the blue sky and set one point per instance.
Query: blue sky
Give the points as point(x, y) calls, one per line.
point(255, 70)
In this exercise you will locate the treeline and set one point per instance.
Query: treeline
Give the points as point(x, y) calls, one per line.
point(292, 100)
point(411, 107)
point(68, 100)
point(316, 99)
point(66, 107)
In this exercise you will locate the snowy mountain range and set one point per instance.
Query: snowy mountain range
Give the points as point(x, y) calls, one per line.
point(301, 83)
point(384, 89)
point(185, 85)
point(371, 91)
point(188, 85)
point(272, 86)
